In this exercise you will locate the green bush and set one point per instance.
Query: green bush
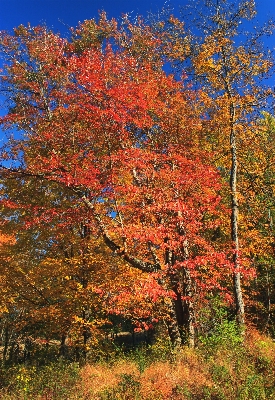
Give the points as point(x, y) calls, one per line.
point(55, 381)
point(226, 334)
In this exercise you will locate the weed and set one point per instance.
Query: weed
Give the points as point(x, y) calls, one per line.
point(224, 367)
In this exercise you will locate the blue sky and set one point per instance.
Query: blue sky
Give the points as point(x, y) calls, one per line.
point(70, 12)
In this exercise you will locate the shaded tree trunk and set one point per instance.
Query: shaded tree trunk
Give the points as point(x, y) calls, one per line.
point(173, 326)
point(62, 348)
point(184, 309)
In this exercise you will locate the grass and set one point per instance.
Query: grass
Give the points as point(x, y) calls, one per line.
point(223, 367)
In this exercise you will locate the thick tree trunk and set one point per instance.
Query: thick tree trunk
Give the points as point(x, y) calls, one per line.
point(182, 285)
point(63, 347)
point(183, 309)
point(184, 312)
point(173, 326)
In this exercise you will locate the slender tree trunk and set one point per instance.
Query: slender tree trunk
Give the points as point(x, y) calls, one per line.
point(175, 306)
point(268, 301)
point(189, 310)
point(5, 342)
point(188, 292)
point(234, 220)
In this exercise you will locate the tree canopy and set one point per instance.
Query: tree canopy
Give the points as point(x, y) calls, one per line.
point(130, 191)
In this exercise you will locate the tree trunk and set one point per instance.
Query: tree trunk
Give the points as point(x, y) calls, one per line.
point(184, 311)
point(234, 221)
point(189, 311)
point(5, 342)
point(173, 326)
point(63, 347)
point(182, 286)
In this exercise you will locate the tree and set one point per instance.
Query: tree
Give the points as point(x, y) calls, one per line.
point(257, 182)
point(228, 66)
point(58, 281)
point(102, 127)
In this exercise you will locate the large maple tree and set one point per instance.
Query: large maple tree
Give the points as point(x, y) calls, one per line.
point(114, 138)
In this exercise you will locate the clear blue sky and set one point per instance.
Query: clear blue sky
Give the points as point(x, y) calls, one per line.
point(70, 12)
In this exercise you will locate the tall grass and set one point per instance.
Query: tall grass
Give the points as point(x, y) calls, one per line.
point(225, 366)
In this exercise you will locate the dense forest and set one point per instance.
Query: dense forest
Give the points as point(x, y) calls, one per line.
point(137, 200)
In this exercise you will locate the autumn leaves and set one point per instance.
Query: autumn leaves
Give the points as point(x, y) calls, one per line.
point(128, 173)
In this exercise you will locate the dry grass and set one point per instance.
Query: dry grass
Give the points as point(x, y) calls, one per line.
point(160, 380)
point(225, 371)
point(221, 374)
point(98, 378)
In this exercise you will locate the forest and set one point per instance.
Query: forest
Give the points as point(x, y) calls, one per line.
point(137, 179)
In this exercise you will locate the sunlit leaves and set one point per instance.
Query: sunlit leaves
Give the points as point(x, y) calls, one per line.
point(116, 206)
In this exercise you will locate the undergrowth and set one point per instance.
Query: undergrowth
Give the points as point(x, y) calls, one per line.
point(225, 366)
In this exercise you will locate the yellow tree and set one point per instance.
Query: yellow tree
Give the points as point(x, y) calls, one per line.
point(58, 281)
point(256, 177)
point(228, 66)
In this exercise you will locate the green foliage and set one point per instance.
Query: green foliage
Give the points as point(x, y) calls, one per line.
point(217, 330)
point(54, 381)
point(227, 335)
point(162, 349)
point(140, 356)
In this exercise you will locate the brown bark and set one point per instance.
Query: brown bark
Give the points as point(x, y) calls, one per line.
point(173, 326)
